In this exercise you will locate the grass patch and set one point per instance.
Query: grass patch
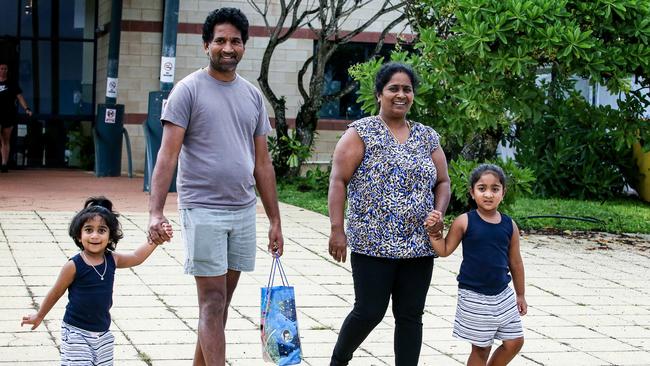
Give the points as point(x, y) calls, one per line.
point(312, 200)
point(617, 216)
point(320, 327)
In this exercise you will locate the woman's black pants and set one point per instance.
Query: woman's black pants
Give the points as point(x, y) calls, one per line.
point(375, 281)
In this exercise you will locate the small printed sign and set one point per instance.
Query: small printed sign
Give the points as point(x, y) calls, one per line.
point(111, 114)
point(111, 87)
point(167, 67)
point(22, 130)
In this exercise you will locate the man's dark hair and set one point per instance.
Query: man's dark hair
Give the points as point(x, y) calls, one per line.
point(232, 16)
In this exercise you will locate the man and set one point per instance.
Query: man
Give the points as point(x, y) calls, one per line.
point(215, 125)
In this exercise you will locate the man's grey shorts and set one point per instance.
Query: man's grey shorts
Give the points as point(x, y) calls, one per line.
point(218, 240)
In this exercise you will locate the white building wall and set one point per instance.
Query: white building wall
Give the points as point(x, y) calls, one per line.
point(140, 52)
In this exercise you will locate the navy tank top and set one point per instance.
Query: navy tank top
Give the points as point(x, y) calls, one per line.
point(485, 255)
point(89, 297)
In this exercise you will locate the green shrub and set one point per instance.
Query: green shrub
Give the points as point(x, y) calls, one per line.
point(478, 63)
point(577, 150)
point(297, 151)
point(315, 180)
point(519, 183)
point(82, 149)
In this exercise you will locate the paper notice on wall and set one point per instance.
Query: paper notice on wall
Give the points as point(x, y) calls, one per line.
point(167, 67)
point(111, 87)
point(110, 115)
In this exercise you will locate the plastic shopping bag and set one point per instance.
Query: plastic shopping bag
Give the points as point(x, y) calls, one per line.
point(279, 324)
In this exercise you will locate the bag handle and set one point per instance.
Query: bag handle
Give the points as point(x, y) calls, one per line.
point(283, 276)
point(277, 265)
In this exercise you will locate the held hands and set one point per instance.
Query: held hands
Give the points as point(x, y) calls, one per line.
point(522, 305)
point(33, 319)
point(168, 232)
point(159, 230)
point(167, 228)
point(434, 224)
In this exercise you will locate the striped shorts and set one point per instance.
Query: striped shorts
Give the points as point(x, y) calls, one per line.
point(81, 347)
point(480, 319)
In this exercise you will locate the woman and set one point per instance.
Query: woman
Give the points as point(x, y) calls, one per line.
point(395, 172)
point(9, 92)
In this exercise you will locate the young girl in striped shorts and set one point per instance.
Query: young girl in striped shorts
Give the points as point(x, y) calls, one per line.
point(88, 278)
point(487, 307)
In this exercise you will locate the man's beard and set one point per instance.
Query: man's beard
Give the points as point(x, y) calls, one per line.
point(230, 67)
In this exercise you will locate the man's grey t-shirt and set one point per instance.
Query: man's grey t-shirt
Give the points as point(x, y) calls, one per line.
point(221, 119)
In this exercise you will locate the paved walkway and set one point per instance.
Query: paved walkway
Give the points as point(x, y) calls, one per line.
point(589, 298)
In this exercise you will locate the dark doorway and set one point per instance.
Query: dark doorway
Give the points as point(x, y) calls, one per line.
point(9, 56)
point(52, 46)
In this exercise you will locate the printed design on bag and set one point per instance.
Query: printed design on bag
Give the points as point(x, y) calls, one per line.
point(279, 323)
point(280, 326)
point(286, 335)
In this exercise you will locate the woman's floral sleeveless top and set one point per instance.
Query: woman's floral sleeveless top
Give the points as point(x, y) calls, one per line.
point(391, 192)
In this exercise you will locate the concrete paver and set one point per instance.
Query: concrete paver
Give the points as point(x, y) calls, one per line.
point(587, 305)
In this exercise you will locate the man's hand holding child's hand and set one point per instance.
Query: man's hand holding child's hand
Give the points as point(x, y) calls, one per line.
point(167, 227)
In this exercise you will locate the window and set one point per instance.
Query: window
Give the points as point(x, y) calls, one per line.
point(337, 78)
point(76, 78)
point(37, 19)
point(76, 19)
point(51, 47)
point(9, 24)
point(56, 59)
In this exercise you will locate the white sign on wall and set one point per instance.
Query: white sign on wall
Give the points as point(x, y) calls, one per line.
point(111, 87)
point(110, 115)
point(167, 67)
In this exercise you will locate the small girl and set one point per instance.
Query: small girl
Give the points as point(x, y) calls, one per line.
point(88, 277)
point(487, 307)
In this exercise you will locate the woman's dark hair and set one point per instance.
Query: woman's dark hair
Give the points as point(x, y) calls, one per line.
point(232, 16)
point(389, 69)
point(482, 169)
point(97, 206)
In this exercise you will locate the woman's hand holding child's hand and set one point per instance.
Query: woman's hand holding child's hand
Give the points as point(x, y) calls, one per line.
point(433, 224)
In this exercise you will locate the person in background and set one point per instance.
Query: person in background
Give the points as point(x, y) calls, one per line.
point(9, 93)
